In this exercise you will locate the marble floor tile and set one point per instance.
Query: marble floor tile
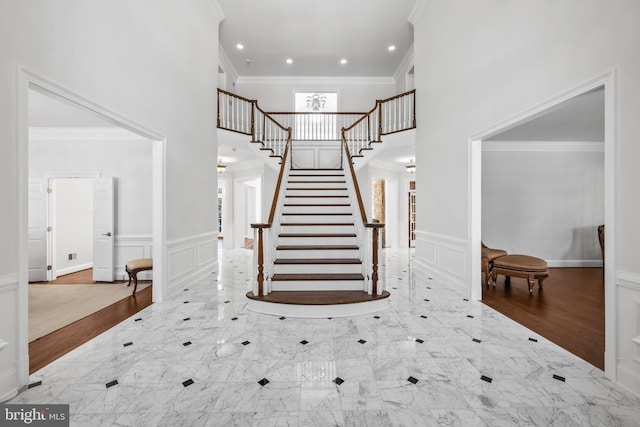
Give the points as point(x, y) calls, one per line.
point(432, 358)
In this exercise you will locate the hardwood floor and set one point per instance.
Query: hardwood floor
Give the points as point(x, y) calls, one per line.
point(50, 347)
point(568, 311)
point(82, 277)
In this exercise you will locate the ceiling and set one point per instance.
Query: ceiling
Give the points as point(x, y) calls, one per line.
point(579, 119)
point(316, 35)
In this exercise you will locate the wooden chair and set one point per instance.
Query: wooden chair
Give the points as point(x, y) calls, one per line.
point(488, 256)
point(136, 266)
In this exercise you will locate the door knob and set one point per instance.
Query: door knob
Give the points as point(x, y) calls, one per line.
point(107, 234)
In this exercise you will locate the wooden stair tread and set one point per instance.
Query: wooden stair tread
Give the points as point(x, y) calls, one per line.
point(317, 213)
point(324, 276)
point(317, 204)
point(317, 169)
point(311, 224)
point(317, 188)
point(317, 235)
point(317, 297)
point(310, 175)
point(318, 261)
point(315, 247)
point(317, 182)
point(325, 196)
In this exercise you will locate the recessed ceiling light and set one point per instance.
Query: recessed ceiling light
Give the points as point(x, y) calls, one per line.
point(240, 46)
point(343, 61)
point(392, 48)
point(289, 61)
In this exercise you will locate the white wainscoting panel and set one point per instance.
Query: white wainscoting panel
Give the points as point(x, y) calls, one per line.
point(129, 247)
point(190, 259)
point(8, 336)
point(316, 154)
point(628, 363)
point(443, 257)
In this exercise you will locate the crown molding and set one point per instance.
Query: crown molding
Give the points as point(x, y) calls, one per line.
point(544, 146)
point(82, 134)
point(416, 13)
point(226, 64)
point(217, 10)
point(405, 64)
point(315, 80)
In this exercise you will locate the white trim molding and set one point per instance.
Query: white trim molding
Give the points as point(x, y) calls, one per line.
point(128, 247)
point(545, 146)
point(444, 258)
point(190, 259)
point(628, 357)
point(8, 283)
point(83, 134)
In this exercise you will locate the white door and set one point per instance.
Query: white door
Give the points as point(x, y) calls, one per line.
point(38, 207)
point(103, 231)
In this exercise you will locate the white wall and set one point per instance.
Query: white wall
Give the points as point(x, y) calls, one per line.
point(153, 62)
point(541, 200)
point(354, 95)
point(73, 226)
point(480, 63)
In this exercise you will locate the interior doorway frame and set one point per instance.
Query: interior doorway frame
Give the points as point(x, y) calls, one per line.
point(607, 81)
point(25, 81)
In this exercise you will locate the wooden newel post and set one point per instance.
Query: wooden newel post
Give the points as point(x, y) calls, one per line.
point(260, 247)
point(374, 258)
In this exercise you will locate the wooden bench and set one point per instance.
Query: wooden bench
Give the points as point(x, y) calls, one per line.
point(525, 266)
point(136, 266)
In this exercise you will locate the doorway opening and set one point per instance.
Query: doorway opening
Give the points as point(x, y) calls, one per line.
point(588, 190)
point(53, 156)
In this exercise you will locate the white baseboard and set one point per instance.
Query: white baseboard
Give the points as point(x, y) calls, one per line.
point(8, 385)
point(628, 379)
point(75, 268)
point(574, 263)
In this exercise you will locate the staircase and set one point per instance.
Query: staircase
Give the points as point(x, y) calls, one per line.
point(317, 246)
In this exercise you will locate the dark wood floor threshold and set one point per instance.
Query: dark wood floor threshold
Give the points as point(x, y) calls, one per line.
point(312, 175)
point(50, 347)
point(317, 182)
point(332, 205)
point(318, 188)
point(317, 261)
point(318, 213)
point(320, 276)
point(318, 297)
point(315, 247)
point(325, 196)
point(568, 311)
point(312, 224)
point(316, 235)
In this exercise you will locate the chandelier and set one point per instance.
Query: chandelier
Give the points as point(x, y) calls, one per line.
point(221, 167)
point(411, 167)
point(316, 101)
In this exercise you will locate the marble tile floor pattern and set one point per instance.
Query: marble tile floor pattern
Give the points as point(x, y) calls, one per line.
point(433, 358)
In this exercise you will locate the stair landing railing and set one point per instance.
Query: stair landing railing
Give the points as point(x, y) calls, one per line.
point(243, 115)
point(388, 116)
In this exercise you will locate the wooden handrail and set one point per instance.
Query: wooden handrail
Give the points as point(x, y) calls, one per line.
point(242, 98)
point(316, 113)
point(280, 176)
point(400, 95)
point(270, 118)
point(345, 146)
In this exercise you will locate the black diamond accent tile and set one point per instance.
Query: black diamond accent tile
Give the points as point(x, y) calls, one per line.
point(533, 339)
point(487, 379)
point(187, 383)
point(395, 287)
point(246, 343)
point(423, 316)
point(329, 318)
point(186, 289)
point(338, 380)
point(304, 342)
point(419, 341)
point(227, 302)
point(138, 319)
point(187, 344)
point(234, 318)
point(376, 317)
point(361, 341)
point(127, 344)
point(186, 302)
point(36, 384)
point(428, 287)
point(559, 378)
point(469, 316)
point(426, 300)
point(399, 278)
point(263, 382)
point(112, 383)
point(430, 278)
point(186, 318)
point(476, 340)
point(282, 318)
point(413, 380)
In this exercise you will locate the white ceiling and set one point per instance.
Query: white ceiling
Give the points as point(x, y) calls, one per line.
point(316, 35)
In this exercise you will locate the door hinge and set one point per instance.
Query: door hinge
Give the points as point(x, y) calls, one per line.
point(48, 267)
point(49, 229)
point(49, 190)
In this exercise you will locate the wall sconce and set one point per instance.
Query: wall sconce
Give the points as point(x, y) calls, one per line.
point(221, 167)
point(411, 167)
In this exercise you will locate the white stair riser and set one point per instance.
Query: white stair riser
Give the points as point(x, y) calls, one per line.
point(319, 193)
point(305, 185)
point(319, 209)
point(315, 219)
point(317, 240)
point(316, 228)
point(317, 268)
point(318, 253)
point(317, 285)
